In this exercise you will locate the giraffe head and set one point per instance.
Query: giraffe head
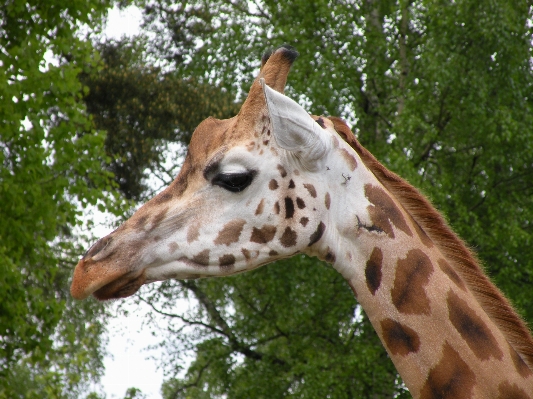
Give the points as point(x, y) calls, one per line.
point(251, 191)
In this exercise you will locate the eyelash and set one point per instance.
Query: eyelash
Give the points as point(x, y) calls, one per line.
point(234, 182)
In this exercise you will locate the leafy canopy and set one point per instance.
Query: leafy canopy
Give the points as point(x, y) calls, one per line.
point(50, 163)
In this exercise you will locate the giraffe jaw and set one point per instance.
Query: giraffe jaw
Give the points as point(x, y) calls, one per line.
point(93, 278)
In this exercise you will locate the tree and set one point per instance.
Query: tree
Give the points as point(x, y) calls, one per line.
point(439, 91)
point(50, 164)
point(143, 108)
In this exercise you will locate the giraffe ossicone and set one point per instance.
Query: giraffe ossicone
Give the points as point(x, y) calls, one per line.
point(274, 181)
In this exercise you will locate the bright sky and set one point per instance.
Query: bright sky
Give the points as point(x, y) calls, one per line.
point(129, 365)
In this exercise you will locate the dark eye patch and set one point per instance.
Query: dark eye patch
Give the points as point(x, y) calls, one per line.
point(234, 182)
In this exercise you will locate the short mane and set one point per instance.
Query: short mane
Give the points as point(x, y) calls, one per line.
point(452, 247)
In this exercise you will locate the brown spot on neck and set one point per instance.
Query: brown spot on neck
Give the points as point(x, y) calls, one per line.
point(282, 171)
point(398, 338)
point(507, 390)
point(158, 219)
point(452, 274)
point(519, 364)
point(472, 328)
point(373, 270)
point(349, 158)
point(383, 211)
point(451, 378)
point(412, 275)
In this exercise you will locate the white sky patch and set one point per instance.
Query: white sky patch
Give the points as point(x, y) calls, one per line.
point(129, 364)
point(126, 22)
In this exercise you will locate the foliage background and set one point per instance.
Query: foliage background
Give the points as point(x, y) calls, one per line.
point(440, 91)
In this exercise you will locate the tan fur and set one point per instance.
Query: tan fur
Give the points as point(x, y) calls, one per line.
point(452, 247)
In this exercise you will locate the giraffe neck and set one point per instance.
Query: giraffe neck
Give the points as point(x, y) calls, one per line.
point(441, 340)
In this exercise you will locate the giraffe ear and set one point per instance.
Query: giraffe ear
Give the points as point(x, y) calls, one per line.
point(294, 129)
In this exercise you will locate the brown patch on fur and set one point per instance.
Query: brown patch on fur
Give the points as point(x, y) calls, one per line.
point(163, 197)
point(173, 247)
point(263, 235)
point(311, 189)
point(288, 239)
point(300, 203)
point(246, 254)
point(226, 261)
point(291, 184)
point(327, 200)
point(472, 328)
point(508, 391)
point(273, 184)
point(412, 275)
point(140, 222)
point(158, 218)
point(193, 232)
point(451, 378)
point(452, 274)
point(373, 270)
point(202, 258)
point(317, 234)
point(519, 364)
point(320, 122)
point(349, 158)
point(455, 251)
point(282, 171)
point(330, 256)
point(230, 233)
point(383, 211)
point(276, 208)
point(304, 221)
point(273, 253)
point(399, 339)
point(260, 206)
point(289, 208)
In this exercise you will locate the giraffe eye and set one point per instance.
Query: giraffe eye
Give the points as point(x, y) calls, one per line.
point(234, 182)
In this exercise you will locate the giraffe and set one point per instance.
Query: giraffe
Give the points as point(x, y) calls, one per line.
point(274, 181)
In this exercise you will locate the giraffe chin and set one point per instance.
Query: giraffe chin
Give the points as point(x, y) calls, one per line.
point(120, 288)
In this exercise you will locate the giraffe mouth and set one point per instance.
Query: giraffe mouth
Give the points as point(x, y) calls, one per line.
point(91, 277)
point(123, 287)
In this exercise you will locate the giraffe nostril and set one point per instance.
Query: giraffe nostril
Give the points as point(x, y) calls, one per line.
point(97, 247)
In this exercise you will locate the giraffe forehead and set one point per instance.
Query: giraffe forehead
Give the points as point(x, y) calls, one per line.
point(215, 135)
